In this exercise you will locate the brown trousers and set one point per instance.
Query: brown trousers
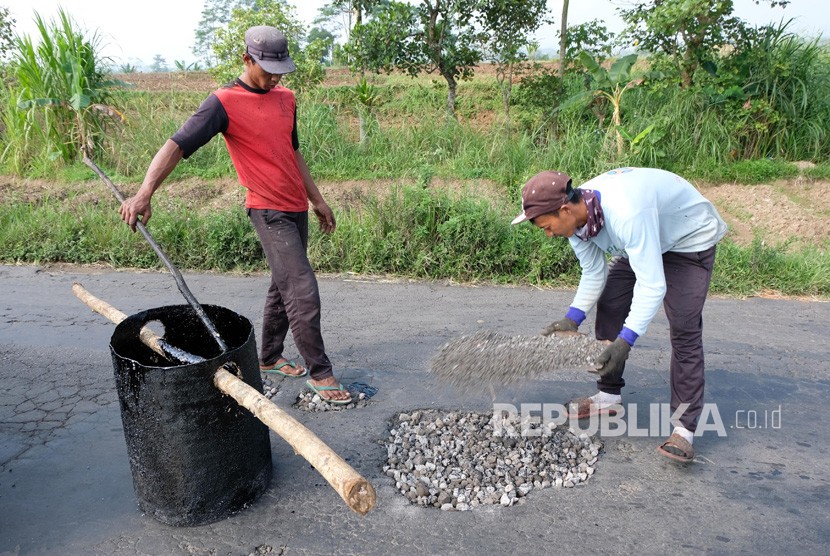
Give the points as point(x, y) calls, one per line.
point(293, 298)
point(687, 283)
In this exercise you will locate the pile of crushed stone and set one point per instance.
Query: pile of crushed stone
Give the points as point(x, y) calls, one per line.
point(491, 357)
point(311, 401)
point(459, 461)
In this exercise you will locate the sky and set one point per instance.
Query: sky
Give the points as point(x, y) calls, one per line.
point(135, 32)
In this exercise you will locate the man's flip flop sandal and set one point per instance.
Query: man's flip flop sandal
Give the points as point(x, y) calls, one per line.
point(275, 369)
point(677, 448)
point(319, 389)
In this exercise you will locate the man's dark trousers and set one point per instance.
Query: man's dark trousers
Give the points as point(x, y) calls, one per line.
point(687, 283)
point(293, 299)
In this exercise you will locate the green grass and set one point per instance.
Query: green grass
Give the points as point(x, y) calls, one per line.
point(57, 231)
point(764, 268)
point(764, 170)
point(820, 172)
point(411, 231)
point(60, 84)
point(431, 234)
point(412, 138)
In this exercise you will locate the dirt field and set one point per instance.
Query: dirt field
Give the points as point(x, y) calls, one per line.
point(197, 81)
point(797, 210)
point(202, 81)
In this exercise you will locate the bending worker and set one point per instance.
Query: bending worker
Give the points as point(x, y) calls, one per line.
point(661, 234)
point(258, 119)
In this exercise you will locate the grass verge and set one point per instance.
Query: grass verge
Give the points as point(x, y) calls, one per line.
point(412, 231)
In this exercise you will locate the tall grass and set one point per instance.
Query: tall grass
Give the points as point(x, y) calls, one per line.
point(61, 231)
point(151, 118)
point(762, 268)
point(411, 231)
point(793, 75)
point(427, 233)
point(61, 87)
point(16, 150)
point(769, 100)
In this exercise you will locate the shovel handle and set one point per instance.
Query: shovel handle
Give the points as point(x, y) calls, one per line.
point(167, 262)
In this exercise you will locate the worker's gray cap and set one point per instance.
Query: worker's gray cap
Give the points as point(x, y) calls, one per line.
point(269, 48)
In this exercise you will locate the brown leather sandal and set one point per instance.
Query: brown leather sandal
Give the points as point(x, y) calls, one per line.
point(677, 448)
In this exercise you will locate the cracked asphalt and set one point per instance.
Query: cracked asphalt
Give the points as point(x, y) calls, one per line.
point(66, 487)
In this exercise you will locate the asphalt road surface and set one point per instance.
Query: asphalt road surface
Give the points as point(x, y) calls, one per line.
point(762, 487)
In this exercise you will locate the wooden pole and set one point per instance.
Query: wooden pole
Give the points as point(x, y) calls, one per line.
point(563, 39)
point(148, 337)
point(352, 488)
point(355, 490)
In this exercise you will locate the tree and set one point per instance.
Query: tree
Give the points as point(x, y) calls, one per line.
point(215, 15)
point(349, 12)
point(432, 36)
point(591, 37)
point(688, 31)
point(343, 15)
point(6, 34)
point(230, 44)
point(563, 38)
point(159, 64)
point(610, 85)
point(507, 26)
point(326, 38)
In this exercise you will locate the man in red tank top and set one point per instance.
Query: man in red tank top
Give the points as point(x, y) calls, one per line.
point(257, 118)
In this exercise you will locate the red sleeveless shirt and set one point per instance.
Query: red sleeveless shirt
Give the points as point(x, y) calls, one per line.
point(259, 140)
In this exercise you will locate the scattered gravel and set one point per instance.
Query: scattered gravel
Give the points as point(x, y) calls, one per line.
point(270, 387)
point(458, 461)
point(262, 550)
point(491, 357)
point(311, 401)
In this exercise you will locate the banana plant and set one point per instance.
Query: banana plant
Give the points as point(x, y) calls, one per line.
point(184, 67)
point(610, 84)
point(366, 97)
point(646, 144)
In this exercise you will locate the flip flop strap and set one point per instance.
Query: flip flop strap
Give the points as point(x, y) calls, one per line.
point(328, 388)
point(288, 363)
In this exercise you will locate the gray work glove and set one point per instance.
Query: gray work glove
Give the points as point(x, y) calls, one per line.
point(562, 325)
point(612, 358)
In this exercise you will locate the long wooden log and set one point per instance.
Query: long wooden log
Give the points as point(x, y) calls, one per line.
point(148, 337)
point(355, 490)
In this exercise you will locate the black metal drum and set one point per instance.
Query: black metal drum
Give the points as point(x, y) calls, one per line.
point(196, 456)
